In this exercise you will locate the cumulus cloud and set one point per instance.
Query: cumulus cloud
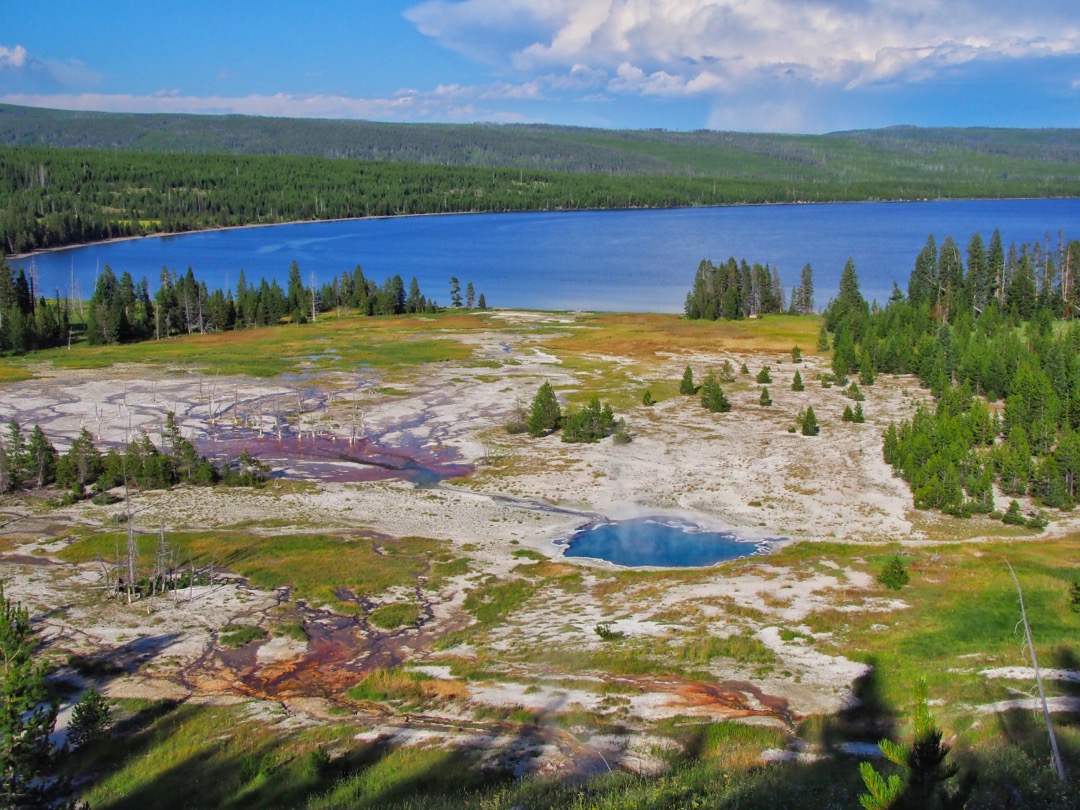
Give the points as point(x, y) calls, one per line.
point(12, 57)
point(686, 47)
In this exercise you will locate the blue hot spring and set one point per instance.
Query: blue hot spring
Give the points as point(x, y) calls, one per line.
point(661, 543)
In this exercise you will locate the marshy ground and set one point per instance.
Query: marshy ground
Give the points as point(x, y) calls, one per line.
point(403, 588)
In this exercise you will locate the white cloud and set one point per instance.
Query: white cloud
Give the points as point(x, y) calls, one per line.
point(446, 103)
point(12, 57)
point(685, 47)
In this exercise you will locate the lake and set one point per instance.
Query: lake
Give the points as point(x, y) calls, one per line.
point(660, 543)
point(631, 261)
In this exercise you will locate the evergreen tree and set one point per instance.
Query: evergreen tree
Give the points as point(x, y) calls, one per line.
point(805, 304)
point(470, 296)
point(42, 458)
point(823, 338)
point(765, 399)
point(26, 715)
point(712, 396)
point(481, 302)
point(686, 385)
point(809, 422)
point(455, 293)
point(544, 414)
point(590, 424)
point(796, 382)
point(763, 376)
point(90, 719)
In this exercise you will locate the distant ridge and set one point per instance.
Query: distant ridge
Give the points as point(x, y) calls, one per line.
point(702, 153)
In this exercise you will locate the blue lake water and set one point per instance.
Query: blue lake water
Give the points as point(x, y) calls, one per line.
point(659, 543)
point(633, 261)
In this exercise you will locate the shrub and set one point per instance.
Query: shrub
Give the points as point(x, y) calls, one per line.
point(607, 634)
point(647, 399)
point(854, 392)
point(796, 355)
point(894, 575)
point(1074, 597)
point(621, 437)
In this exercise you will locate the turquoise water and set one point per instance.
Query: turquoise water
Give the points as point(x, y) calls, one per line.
point(660, 543)
point(631, 261)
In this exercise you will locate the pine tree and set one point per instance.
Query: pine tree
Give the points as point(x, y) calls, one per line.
point(455, 293)
point(763, 376)
point(26, 718)
point(924, 771)
point(481, 303)
point(686, 385)
point(41, 457)
point(765, 399)
point(544, 414)
point(90, 719)
point(796, 382)
point(809, 422)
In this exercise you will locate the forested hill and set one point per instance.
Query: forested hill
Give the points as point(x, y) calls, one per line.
point(1003, 155)
point(69, 178)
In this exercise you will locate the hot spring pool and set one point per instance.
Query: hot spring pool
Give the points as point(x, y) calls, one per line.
point(661, 543)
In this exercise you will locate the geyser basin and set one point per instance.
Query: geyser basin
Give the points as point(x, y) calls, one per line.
point(661, 543)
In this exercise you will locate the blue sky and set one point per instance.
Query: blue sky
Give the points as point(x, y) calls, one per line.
point(757, 65)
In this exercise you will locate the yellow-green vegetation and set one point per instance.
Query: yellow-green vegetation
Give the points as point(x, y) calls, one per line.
point(406, 689)
point(344, 343)
point(645, 336)
point(321, 568)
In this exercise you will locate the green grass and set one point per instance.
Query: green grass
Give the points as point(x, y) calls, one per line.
point(237, 635)
point(398, 614)
point(323, 569)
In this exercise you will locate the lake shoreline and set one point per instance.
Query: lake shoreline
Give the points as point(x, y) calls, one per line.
point(250, 225)
point(612, 260)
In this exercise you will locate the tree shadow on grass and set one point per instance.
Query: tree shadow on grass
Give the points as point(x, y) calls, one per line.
point(866, 718)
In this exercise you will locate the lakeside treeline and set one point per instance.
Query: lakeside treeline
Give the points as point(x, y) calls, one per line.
point(121, 310)
point(54, 197)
